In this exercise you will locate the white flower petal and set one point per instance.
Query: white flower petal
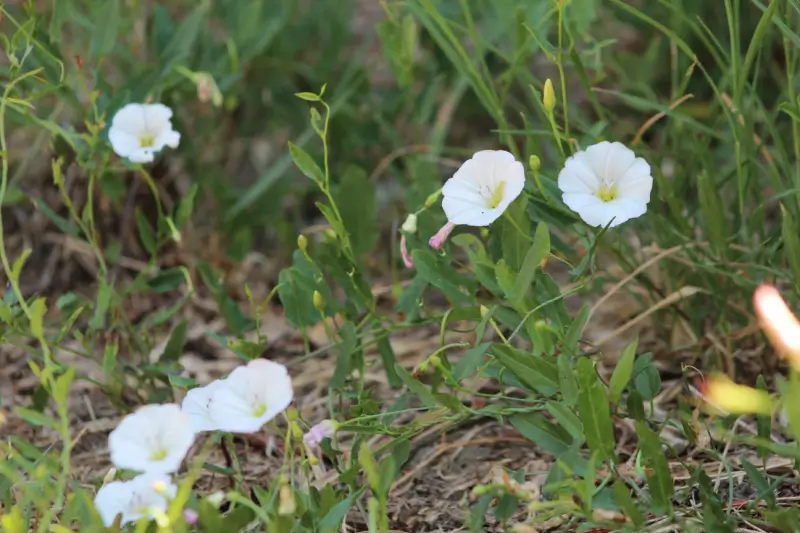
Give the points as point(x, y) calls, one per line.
point(637, 182)
point(252, 395)
point(609, 161)
point(142, 156)
point(154, 439)
point(197, 404)
point(138, 131)
point(130, 119)
point(606, 184)
point(577, 177)
point(169, 138)
point(123, 143)
point(133, 499)
point(471, 198)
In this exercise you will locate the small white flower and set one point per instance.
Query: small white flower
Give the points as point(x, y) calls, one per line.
point(197, 404)
point(606, 183)
point(480, 191)
point(134, 499)
point(251, 396)
point(154, 439)
point(138, 131)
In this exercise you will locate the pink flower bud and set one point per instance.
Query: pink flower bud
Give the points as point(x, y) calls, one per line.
point(404, 253)
point(438, 240)
point(321, 431)
point(191, 516)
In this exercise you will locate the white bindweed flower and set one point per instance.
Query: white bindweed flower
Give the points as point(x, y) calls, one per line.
point(480, 191)
point(197, 404)
point(251, 396)
point(138, 131)
point(605, 184)
point(134, 499)
point(154, 439)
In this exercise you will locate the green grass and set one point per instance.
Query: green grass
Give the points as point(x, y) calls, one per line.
point(706, 92)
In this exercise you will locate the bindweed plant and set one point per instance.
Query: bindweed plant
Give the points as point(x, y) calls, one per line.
point(609, 150)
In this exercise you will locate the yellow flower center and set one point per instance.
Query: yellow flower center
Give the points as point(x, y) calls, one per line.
point(159, 455)
point(259, 410)
point(146, 140)
point(607, 194)
point(497, 196)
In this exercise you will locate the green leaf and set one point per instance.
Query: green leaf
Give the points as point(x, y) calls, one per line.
point(648, 382)
point(531, 370)
point(623, 372)
point(566, 419)
point(713, 214)
point(387, 357)
point(791, 245)
point(38, 310)
point(506, 279)
point(635, 405)
point(174, 348)
point(515, 229)
point(420, 390)
point(469, 363)
point(355, 197)
point(14, 522)
point(760, 482)
point(714, 518)
point(64, 226)
point(184, 38)
point(345, 351)
point(567, 383)
point(19, 263)
point(106, 28)
point(549, 437)
point(370, 468)
point(594, 411)
point(146, 234)
point(308, 97)
point(622, 495)
point(334, 517)
point(791, 398)
point(62, 385)
point(98, 320)
point(306, 164)
point(166, 280)
point(296, 291)
point(35, 418)
point(186, 206)
point(538, 251)
point(659, 480)
point(440, 275)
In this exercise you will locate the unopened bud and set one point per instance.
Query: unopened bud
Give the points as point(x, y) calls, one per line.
point(302, 243)
point(535, 163)
point(484, 311)
point(286, 503)
point(190, 516)
point(432, 198)
point(319, 302)
point(549, 96)
point(207, 89)
point(410, 225)
point(112, 473)
point(216, 499)
point(435, 360)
